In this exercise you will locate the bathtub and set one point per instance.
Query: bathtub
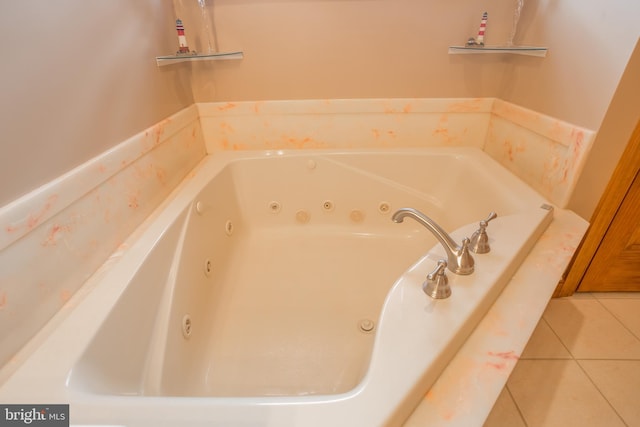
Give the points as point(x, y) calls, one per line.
point(273, 288)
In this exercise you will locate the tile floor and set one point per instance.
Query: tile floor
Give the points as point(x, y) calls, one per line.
point(581, 366)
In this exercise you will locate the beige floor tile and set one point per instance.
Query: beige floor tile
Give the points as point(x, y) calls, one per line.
point(544, 344)
point(626, 311)
point(504, 413)
point(619, 382)
point(551, 393)
point(589, 331)
point(616, 295)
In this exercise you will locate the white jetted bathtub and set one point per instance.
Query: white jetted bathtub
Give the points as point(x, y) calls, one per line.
point(273, 289)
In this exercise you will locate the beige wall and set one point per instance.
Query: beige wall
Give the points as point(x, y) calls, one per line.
point(82, 75)
point(301, 49)
point(589, 45)
point(77, 78)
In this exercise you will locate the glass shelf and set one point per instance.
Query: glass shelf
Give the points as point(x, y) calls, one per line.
point(517, 50)
point(174, 59)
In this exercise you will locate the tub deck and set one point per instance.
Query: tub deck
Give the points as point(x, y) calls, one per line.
point(410, 348)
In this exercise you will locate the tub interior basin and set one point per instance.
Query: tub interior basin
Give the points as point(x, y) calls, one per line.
point(272, 279)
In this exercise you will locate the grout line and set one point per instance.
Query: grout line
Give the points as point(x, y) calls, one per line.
point(586, 359)
point(506, 386)
point(618, 319)
point(559, 339)
point(611, 295)
point(558, 358)
point(600, 391)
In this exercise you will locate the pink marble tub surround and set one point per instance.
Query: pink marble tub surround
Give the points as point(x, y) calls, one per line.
point(345, 123)
point(546, 153)
point(55, 237)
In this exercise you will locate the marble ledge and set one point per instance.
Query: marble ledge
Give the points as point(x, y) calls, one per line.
point(23, 215)
point(347, 106)
point(467, 389)
point(548, 127)
point(345, 123)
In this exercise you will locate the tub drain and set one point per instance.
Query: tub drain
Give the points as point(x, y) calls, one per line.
point(366, 325)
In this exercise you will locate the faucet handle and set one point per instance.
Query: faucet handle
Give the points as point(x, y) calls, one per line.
point(491, 216)
point(437, 283)
point(480, 239)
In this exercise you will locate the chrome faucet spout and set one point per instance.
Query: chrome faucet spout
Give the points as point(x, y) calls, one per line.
point(459, 260)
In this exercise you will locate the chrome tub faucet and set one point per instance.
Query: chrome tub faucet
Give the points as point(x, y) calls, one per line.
point(459, 259)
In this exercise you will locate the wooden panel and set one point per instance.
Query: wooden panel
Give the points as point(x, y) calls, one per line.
point(616, 265)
